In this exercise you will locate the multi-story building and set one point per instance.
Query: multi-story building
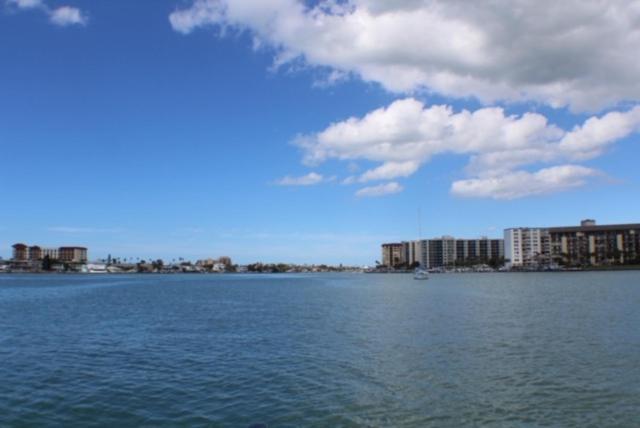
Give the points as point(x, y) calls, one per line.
point(417, 251)
point(446, 251)
point(584, 245)
point(393, 254)
point(39, 253)
point(53, 253)
point(481, 250)
point(72, 254)
point(526, 246)
point(20, 253)
point(590, 244)
point(34, 253)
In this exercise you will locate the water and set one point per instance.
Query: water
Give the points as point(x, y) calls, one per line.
point(321, 350)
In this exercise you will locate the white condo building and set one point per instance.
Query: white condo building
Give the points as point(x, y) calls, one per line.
point(525, 246)
point(449, 251)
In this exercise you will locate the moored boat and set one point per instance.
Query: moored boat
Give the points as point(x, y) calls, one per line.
point(420, 274)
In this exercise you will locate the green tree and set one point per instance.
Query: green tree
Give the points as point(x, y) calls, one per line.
point(46, 263)
point(157, 264)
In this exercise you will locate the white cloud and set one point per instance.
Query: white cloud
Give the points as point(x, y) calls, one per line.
point(305, 180)
point(389, 170)
point(577, 53)
point(593, 137)
point(67, 15)
point(386, 171)
point(406, 134)
point(199, 14)
point(26, 4)
point(380, 190)
point(519, 184)
point(62, 16)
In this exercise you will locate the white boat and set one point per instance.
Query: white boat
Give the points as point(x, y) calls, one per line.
point(420, 274)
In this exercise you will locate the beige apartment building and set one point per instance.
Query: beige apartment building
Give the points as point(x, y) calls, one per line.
point(393, 254)
point(591, 244)
point(73, 254)
point(23, 253)
point(586, 245)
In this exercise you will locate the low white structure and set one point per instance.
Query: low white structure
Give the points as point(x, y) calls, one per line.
point(219, 267)
point(96, 268)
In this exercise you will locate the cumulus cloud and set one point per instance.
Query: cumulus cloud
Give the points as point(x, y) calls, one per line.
point(593, 137)
point(62, 16)
point(305, 180)
point(518, 184)
point(67, 15)
point(380, 190)
point(406, 134)
point(576, 53)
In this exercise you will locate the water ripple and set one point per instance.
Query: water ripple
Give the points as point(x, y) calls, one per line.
point(320, 350)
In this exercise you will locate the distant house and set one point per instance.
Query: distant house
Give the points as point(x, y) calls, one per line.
point(215, 265)
point(219, 267)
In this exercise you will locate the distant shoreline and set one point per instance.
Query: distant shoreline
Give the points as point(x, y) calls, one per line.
point(395, 272)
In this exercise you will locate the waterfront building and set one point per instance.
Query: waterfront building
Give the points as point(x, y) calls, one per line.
point(393, 254)
point(53, 253)
point(417, 251)
point(584, 245)
point(225, 260)
point(593, 245)
point(480, 250)
point(206, 262)
point(219, 267)
point(72, 254)
point(446, 251)
point(35, 253)
point(526, 247)
point(219, 264)
point(20, 252)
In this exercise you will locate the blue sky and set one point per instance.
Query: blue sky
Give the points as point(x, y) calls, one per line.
point(186, 129)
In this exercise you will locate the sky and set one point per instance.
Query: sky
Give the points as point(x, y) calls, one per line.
point(311, 132)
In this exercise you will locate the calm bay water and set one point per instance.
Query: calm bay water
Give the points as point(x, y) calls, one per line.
point(321, 350)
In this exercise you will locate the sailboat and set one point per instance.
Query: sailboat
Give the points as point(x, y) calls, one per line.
point(419, 273)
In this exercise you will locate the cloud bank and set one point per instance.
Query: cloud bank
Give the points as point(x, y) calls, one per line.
point(575, 53)
point(578, 54)
point(407, 134)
